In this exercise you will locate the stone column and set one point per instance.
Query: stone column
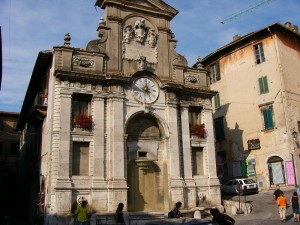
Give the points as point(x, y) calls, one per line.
point(115, 152)
point(63, 185)
point(174, 152)
point(99, 137)
point(64, 136)
point(210, 154)
point(186, 143)
point(210, 149)
point(190, 189)
point(99, 194)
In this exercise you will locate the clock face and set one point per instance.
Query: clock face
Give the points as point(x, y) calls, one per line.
point(145, 90)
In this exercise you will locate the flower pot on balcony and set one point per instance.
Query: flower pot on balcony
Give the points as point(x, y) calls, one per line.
point(83, 122)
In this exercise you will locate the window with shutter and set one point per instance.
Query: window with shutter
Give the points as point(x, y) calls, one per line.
point(259, 53)
point(215, 72)
point(263, 85)
point(268, 119)
point(217, 101)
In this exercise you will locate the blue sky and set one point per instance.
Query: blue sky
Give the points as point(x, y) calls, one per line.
point(34, 25)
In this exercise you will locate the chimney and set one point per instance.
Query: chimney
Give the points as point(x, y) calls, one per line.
point(295, 28)
point(288, 24)
point(236, 37)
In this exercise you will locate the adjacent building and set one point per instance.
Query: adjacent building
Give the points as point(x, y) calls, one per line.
point(9, 164)
point(122, 120)
point(257, 108)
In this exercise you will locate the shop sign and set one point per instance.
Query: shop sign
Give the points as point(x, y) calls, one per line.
point(253, 144)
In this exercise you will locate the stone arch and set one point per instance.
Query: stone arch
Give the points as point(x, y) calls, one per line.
point(163, 127)
point(147, 175)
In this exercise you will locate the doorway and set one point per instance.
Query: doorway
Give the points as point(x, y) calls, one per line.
point(146, 165)
point(276, 170)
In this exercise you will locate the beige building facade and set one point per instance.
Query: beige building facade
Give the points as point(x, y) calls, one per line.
point(257, 107)
point(123, 119)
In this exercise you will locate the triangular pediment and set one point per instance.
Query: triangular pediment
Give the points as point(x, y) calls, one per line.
point(150, 6)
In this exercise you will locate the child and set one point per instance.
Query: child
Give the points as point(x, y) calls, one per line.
point(281, 202)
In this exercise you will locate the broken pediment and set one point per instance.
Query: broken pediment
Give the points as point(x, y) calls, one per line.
point(152, 6)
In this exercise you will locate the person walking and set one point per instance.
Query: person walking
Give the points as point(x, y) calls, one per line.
point(282, 202)
point(81, 213)
point(277, 193)
point(221, 218)
point(119, 217)
point(295, 206)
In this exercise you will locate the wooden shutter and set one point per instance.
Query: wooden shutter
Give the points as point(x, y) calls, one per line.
point(268, 118)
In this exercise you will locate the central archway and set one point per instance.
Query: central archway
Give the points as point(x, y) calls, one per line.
point(147, 174)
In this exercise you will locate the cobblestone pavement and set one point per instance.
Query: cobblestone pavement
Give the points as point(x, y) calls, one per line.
point(264, 209)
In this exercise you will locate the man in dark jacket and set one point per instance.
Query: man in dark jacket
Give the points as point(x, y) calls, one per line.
point(277, 193)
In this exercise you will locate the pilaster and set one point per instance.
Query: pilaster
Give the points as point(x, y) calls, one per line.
point(99, 144)
point(64, 136)
point(210, 143)
point(174, 146)
point(186, 143)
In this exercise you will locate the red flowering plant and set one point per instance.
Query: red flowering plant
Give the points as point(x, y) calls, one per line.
point(198, 130)
point(83, 121)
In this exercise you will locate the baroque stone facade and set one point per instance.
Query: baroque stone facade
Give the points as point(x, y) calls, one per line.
point(137, 100)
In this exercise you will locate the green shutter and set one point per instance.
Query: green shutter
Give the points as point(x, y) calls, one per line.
point(268, 118)
point(217, 100)
point(261, 86)
point(265, 83)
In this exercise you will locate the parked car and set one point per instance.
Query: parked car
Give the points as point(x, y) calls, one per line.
point(186, 221)
point(245, 185)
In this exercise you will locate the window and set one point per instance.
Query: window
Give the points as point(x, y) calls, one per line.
point(219, 129)
point(80, 158)
point(197, 158)
point(267, 114)
point(194, 116)
point(215, 72)
point(259, 53)
point(263, 85)
point(81, 105)
point(196, 127)
point(217, 101)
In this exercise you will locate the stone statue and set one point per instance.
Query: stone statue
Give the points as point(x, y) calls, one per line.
point(152, 38)
point(142, 63)
point(140, 30)
point(127, 34)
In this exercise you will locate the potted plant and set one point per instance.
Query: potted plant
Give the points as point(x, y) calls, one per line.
point(198, 130)
point(83, 121)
